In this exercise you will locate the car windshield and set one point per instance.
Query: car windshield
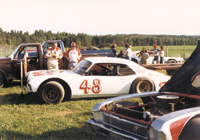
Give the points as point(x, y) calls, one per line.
point(82, 67)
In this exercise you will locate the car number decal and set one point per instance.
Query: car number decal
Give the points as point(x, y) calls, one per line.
point(96, 88)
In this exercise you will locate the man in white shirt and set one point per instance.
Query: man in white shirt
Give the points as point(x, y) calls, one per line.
point(52, 55)
point(73, 55)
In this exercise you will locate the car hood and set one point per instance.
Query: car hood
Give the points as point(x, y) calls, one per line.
point(181, 80)
point(49, 73)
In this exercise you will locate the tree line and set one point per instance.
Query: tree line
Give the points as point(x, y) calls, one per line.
point(39, 36)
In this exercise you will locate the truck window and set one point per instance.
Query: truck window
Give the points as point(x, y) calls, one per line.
point(31, 52)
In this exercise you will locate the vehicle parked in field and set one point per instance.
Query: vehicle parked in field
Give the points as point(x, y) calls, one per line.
point(137, 58)
point(95, 77)
point(171, 113)
point(32, 57)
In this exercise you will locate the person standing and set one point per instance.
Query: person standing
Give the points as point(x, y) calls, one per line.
point(52, 55)
point(162, 55)
point(73, 55)
point(128, 52)
point(113, 47)
point(145, 56)
point(156, 53)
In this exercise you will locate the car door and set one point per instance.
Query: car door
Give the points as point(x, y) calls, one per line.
point(106, 79)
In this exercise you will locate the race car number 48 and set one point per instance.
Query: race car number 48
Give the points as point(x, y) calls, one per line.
point(96, 88)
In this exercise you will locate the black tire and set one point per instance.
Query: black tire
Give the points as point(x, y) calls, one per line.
point(191, 129)
point(93, 48)
point(171, 71)
point(52, 92)
point(134, 60)
point(2, 80)
point(142, 84)
point(171, 61)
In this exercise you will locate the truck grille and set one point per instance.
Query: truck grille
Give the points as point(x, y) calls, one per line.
point(125, 126)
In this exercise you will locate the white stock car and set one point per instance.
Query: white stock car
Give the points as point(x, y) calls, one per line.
point(94, 77)
point(137, 58)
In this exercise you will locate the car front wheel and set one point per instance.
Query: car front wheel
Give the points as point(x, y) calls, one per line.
point(52, 92)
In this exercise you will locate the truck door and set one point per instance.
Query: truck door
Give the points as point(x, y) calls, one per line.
point(31, 58)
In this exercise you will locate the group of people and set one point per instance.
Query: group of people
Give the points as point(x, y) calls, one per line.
point(73, 55)
point(53, 54)
point(124, 53)
point(158, 53)
point(144, 54)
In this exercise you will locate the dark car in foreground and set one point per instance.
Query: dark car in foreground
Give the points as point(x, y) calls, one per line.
point(171, 113)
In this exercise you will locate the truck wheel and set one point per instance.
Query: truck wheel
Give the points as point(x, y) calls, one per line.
point(52, 92)
point(142, 84)
point(191, 129)
point(134, 60)
point(2, 81)
point(171, 71)
point(171, 61)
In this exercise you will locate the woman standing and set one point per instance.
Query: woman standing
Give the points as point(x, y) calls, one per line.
point(128, 52)
point(162, 55)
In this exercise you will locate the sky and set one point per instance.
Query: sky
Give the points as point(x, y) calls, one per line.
point(102, 17)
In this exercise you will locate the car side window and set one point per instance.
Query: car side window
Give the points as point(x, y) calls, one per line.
point(124, 70)
point(102, 69)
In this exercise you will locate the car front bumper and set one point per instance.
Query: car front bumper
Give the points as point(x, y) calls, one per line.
point(105, 132)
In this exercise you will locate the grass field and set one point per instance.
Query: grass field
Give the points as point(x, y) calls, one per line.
point(24, 117)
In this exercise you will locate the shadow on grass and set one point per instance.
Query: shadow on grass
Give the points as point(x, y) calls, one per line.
point(83, 133)
point(14, 98)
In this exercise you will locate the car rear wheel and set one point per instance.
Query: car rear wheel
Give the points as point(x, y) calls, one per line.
point(52, 92)
point(142, 84)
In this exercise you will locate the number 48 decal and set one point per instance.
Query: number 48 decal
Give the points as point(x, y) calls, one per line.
point(96, 88)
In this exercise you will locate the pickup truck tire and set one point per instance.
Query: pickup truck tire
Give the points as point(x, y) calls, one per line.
point(52, 92)
point(142, 84)
point(2, 80)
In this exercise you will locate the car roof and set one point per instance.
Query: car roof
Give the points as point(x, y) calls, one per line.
point(109, 60)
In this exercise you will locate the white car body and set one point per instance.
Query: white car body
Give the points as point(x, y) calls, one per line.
point(137, 59)
point(83, 85)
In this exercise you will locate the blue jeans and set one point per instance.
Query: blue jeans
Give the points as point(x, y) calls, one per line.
point(127, 57)
point(155, 59)
point(161, 60)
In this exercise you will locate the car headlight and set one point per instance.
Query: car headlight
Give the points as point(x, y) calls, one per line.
point(98, 116)
point(156, 135)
